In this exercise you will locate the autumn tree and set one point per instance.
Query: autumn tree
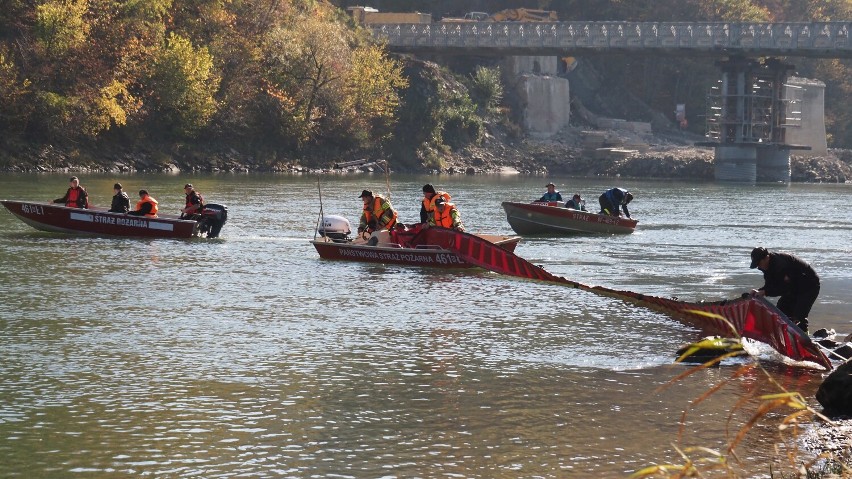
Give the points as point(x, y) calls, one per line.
point(371, 94)
point(307, 64)
point(184, 83)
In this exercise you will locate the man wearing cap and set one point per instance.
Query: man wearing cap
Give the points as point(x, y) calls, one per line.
point(377, 211)
point(552, 194)
point(614, 198)
point(120, 200)
point(194, 202)
point(787, 276)
point(76, 196)
point(576, 203)
point(446, 215)
point(427, 206)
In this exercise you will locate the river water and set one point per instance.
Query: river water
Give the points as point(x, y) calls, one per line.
point(248, 356)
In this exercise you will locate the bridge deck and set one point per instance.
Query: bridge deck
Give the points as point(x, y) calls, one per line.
point(814, 39)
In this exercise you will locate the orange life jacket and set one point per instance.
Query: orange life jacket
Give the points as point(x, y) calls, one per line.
point(389, 216)
point(74, 198)
point(445, 219)
point(152, 201)
point(429, 204)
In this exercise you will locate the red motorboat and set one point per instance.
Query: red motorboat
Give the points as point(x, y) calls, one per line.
point(551, 218)
point(410, 248)
point(99, 222)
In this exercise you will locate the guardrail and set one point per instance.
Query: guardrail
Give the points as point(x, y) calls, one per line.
point(815, 39)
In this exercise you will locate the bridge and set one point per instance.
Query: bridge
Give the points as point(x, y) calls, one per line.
point(750, 112)
point(813, 39)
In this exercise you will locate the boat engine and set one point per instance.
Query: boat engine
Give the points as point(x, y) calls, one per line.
point(335, 227)
point(213, 217)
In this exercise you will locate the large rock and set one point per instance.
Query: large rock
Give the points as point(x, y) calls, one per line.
point(835, 393)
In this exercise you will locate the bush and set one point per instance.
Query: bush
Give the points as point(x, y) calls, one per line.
point(486, 88)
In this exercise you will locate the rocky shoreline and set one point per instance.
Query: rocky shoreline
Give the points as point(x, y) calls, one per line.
point(563, 155)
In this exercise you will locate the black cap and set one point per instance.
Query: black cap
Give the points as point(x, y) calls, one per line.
point(427, 188)
point(366, 193)
point(577, 195)
point(550, 184)
point(73, 178)
point(439, 201)
point(758, 254)
point(143, 192)
point(188, 185)
point(117, 186)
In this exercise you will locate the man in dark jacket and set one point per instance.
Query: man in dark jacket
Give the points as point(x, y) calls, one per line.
point(613, 199)
point(120, 201)
point(791, 278)
point(76, 196)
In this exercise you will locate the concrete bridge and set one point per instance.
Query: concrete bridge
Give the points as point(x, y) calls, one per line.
point(814, 39)
point(754, 117)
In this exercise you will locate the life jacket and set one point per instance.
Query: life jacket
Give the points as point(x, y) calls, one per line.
point(386, 220)
point(200, 201)
point(74, 199)
point(429, 204)
point(153, 203)
point(445, 219)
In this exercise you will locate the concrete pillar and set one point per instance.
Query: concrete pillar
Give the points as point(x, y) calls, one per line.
point(736, 163)
point(773, 164)
point(546, 104)
point(807, 122)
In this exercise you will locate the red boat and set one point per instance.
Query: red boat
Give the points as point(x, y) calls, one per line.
point(551, 218)
point(410, 248)
point(99, 222)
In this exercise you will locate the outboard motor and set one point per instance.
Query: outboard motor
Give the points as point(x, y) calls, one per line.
point(335, 227)
point(213, 217)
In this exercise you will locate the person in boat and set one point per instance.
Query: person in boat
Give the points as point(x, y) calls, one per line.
point(76, 196)
point(146, 206)
point(446, 215)
point(552, 194)
point(576, 203)
point(614, 198)
point(427, 206)
point(194, 203)
point(377, 208)
point(120, 200)
point(789, 277)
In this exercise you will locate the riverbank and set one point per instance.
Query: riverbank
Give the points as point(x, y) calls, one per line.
point(654, 156)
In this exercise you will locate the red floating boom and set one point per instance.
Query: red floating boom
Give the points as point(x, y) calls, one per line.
point(752, 317)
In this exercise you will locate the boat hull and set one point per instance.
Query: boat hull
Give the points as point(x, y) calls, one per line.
point(97, 222)
point(535, 219)
point(424, 255)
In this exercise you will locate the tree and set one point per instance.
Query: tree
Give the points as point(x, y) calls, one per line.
point(184, 83)
point(307, 64)
point(371, 93)
point(60, 26)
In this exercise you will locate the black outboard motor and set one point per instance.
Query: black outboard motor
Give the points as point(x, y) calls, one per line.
point(213, 217)
point(335, 227)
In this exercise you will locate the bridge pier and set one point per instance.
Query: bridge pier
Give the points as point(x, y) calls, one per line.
point(749, 113)
point(736, 163)
point(773, 164)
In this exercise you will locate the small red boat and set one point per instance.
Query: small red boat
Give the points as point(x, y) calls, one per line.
point(551, 218)
point(410, 248)
point(58, 218)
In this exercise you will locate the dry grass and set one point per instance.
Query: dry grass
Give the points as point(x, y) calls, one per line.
point(707, 462)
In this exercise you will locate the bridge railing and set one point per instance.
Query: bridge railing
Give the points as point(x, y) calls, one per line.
point(828, 39)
